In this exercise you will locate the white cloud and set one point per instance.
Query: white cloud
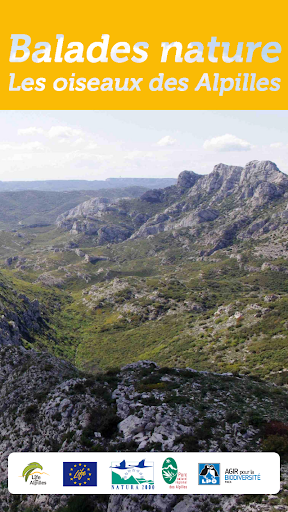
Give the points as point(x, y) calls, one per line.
point(94, 157)
point(63, 132)
point(136, 155)
point(82, 156)
point(92, 145)
point(32, 130)
point(227, 142)
point(70, 141)
point(132, 155)
point(29, 146)
point(166, 141)
point(19, 157)
point(78, 141)
point(4, 147)
point(33, 146)
point(276, 145)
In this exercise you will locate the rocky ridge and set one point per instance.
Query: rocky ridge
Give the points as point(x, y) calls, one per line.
point(194, 201)
point(253, 186)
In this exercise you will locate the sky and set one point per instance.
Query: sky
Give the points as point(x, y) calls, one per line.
point(99, 144)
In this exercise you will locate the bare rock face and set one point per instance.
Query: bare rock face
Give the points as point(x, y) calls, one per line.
point(266, 192)
point(221, 182)
point(83, 217)
point(106, 234)
point(165, 221)
point(153, 226)
point(48, 405)
point(257, 171)
point(93, 208)
point(222, 198)
point(20, 322)
point(88, 219)
point(256, 226)
point(187, 179)
point(261, 181)
point(113, 234)
point(87, 227)
point(247, 188)
point(140, 218)
point(205, 215)
point(227, 235)
point(153, 196)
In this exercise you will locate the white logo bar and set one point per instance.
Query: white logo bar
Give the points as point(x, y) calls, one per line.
point(143, 473)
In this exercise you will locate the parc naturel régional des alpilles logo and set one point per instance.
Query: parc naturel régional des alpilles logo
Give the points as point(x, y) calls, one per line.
point(169, 470)
point(35, 470)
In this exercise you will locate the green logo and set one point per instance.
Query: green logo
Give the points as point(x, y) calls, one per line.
point(133, 473)
point(30, 469)
point(169, 470)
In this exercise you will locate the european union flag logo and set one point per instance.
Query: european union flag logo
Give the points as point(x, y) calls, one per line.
point(80, 474)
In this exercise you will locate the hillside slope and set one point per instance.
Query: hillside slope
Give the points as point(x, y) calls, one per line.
point(47, 405)
point(191, 276)
point(202, 282)
point(32, 208)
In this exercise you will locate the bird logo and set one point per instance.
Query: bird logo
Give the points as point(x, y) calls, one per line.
point(209, 474)
point(209, 468)
point(132, 473)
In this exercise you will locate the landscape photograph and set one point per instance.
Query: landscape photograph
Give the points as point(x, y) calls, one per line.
point(144, 293)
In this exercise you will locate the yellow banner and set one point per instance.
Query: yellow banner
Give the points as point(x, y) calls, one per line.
point(149, 55)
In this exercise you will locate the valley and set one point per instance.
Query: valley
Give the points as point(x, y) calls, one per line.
point(193, 275)
point(147, 320)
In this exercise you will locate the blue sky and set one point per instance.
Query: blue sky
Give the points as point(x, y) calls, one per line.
point(103, 144)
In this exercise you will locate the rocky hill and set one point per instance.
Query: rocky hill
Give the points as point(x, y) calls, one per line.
point(48, 405)
point(34, 208)
point(224, 195)
point(193, 275)
point(122, 218)
point(222, 198)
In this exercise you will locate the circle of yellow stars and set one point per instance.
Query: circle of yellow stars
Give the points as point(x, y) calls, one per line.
point(84, 466)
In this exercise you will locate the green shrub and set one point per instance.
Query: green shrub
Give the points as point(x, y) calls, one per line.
point(84, 503)
point(101, 420)
point(30, 413)
point(276, 443)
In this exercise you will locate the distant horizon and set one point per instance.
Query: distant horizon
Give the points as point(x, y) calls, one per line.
point(96, 145)
point(106, 179)
point(114, 178)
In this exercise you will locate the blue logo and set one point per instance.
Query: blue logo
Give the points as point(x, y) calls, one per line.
point(80, 474)
point(209, 474)
point(132, 475)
